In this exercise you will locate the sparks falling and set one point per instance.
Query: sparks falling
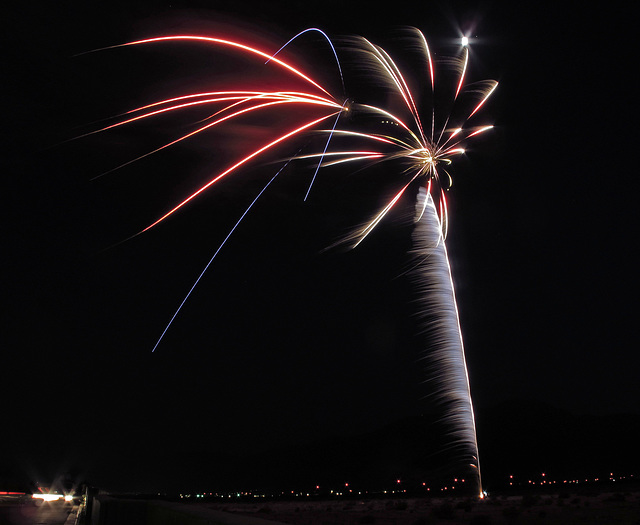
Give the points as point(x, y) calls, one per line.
point(416, 138)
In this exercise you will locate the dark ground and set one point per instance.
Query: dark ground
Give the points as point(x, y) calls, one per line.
point(564, 508)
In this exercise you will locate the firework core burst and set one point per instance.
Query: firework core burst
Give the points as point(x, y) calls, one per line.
point(417, 144)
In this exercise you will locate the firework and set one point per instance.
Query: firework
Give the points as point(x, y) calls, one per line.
point(410, 137)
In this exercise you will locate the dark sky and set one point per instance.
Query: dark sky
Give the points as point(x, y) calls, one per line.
point(281, 337)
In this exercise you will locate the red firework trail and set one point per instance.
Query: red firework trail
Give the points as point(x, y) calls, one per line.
point(424, 152)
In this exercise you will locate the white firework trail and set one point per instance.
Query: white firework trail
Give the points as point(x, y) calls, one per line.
point(443, 357)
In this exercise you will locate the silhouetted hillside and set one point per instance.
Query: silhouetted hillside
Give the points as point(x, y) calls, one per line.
point(519, 438)
point(532, 437)
point(523, 438)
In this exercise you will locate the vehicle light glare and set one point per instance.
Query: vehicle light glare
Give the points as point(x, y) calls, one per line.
point(48, 497)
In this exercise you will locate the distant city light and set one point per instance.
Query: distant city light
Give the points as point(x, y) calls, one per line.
point(397, 485)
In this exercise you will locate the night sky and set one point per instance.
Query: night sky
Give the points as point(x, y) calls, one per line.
point(283, 342)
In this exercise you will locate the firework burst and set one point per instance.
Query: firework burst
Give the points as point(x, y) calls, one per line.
point(409, 134)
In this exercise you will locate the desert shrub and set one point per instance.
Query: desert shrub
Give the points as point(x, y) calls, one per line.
point(511, 514)
point(396, 505)
point(481, 519)
point(400, 505)
point(444, 511)
point(529, 500)
point(618, 496)
point(466, 505)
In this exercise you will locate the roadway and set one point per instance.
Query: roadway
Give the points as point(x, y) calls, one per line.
point(40, 513)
